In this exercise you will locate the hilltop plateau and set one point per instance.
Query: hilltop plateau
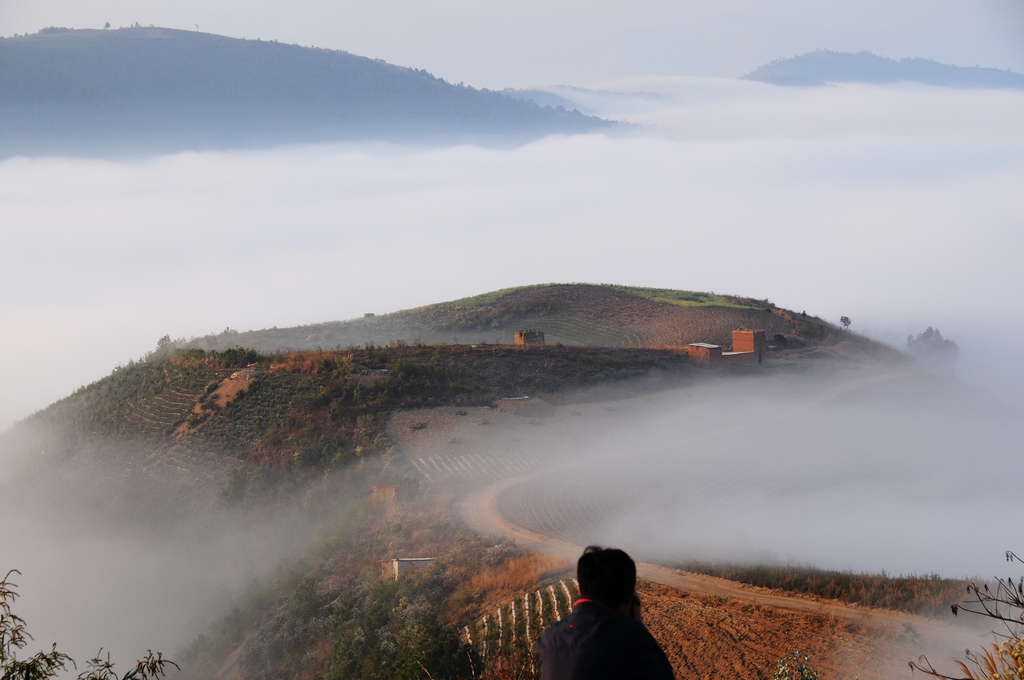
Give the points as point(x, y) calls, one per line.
point(143, 90)
point(568, 314)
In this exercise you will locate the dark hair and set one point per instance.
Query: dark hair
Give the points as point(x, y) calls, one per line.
point(607, 574)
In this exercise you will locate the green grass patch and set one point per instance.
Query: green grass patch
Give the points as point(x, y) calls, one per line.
point(687, 298)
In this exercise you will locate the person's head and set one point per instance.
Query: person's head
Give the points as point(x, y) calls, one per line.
point(607, 574)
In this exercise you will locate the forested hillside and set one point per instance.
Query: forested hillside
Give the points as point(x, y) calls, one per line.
point(154, 89)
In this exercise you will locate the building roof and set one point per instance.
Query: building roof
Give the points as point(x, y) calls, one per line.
point(704, 344)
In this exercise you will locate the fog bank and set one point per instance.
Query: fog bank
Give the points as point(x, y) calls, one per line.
point(897, 206)
point(117, 556)
point(864, 469)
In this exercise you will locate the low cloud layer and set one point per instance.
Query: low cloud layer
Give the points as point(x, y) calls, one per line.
point(871, 472)
point(857, 468)
point(897, 206)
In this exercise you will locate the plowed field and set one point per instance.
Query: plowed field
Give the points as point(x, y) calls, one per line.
point(574, 314)
point(710, 637)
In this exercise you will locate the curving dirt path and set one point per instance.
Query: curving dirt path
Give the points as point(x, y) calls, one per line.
point(939, 640)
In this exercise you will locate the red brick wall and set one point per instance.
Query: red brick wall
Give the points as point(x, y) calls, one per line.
point(748, 341)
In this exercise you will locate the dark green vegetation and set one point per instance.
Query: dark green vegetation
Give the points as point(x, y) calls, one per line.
point(928, 595)
point(154, 90)
point(293, 412)
point(573, 314)
point(933, 350)
point(823, 66)
point(328, 615)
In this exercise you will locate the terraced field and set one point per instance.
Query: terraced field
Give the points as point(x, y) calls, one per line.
point(482, 465)
point(556, 506)
point(160, 414)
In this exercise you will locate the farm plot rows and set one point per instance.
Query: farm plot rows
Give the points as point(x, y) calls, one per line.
point(159, 414)
point(573, 314)
point(559, 508)
point(709, 638)
point(515, 626)
point(572, 330)
point(477, 466)
point(704, 637)
point(652, 322)
point(239, 424)
point(566, 328)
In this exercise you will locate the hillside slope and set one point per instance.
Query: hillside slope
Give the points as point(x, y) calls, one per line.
point(824, 66)
point(225, 426)
point(198, 431)
point(214, 410)
point(227, 415)
point(155, 89)
point(571, 314)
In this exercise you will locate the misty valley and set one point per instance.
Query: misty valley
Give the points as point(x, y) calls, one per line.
point(810, 480)
point(250, 496)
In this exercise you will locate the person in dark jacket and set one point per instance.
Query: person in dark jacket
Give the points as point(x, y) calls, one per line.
point(603, 638)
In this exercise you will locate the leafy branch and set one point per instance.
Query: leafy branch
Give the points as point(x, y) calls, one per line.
point(14, 637)
point(1004, 604)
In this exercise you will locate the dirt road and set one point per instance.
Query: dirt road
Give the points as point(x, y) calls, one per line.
point(939, 640)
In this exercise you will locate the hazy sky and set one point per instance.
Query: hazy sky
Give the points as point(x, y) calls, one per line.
point(535, 42)
point(897, 206)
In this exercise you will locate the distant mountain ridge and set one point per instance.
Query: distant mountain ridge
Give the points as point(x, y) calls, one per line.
point(822, 67)
point(157, 89)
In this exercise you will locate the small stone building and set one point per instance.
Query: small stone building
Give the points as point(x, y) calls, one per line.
point(705, 353)
point(392, 569)
point(748, 341)
point(747, 349)
point(531, 336)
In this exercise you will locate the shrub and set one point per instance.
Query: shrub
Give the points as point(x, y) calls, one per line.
point(795, 666)
point(1003, 604)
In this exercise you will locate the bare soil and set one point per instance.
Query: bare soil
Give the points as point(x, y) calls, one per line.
point(711, 637)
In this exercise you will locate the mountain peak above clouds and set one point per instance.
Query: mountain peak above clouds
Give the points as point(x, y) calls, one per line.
point(823, 67)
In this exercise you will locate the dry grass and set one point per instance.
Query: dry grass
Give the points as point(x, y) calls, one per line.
point(516, 576)
point(312, 362)
point(928, 594)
